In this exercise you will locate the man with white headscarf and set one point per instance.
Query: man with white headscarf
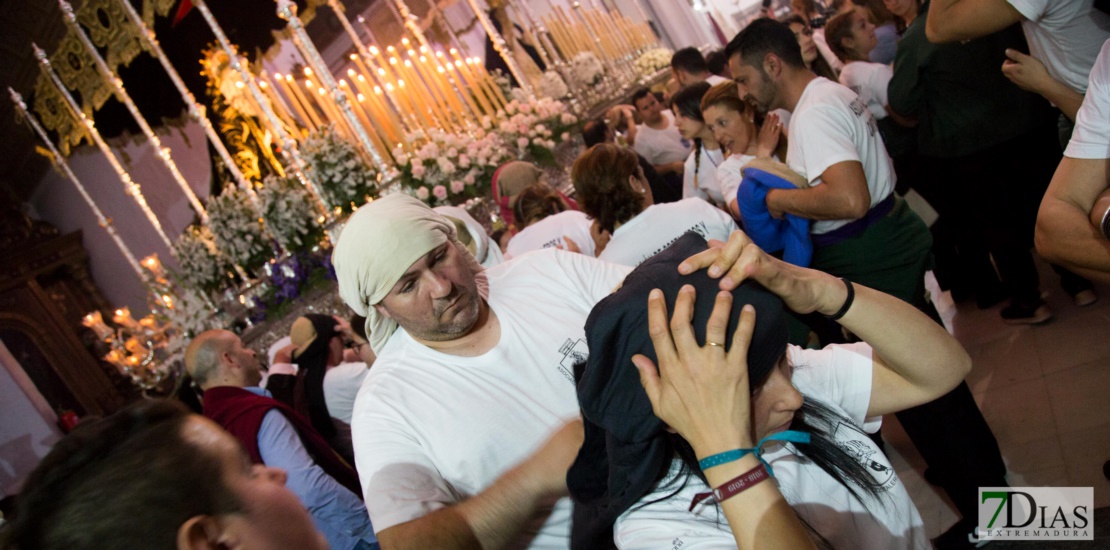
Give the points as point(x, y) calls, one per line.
point(474, 374)
point(461, 430)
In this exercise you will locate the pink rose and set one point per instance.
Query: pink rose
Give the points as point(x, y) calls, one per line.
point(440, 192)
point(464, 161)
point(522, 142)
point(422, 193)
point(457, 186)
point(418, 170)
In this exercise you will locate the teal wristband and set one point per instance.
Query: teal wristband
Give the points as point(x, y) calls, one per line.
point(723, 458)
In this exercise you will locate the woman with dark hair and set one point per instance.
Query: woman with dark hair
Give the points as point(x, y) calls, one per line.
point(732, 122)
point(155, 476)
point(813, 45)
point(699, 177)
point(326, 387)
point(886, 31)
point(546, 221)
point(719, 393)
point(612, 190)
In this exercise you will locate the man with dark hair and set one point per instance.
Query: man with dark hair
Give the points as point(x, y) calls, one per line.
point(658, 139)
point(689, 67)
point(861, 231)
point(662, 189)
point(274, 434)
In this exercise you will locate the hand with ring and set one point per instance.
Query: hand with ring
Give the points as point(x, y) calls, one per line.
point(702, 392)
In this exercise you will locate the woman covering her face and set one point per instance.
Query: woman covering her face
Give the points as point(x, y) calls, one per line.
point(716, 376)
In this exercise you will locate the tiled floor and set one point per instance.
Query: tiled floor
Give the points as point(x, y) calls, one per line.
point(1045, 390)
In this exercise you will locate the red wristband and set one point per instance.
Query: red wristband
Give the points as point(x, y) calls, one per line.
point(732, 487)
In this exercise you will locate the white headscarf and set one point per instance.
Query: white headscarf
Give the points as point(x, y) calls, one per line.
point(379, 243)
point(487, 252)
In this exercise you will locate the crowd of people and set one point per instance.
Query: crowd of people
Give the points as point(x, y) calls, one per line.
point(694, 348)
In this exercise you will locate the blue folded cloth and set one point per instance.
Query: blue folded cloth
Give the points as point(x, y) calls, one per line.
point(789, 234)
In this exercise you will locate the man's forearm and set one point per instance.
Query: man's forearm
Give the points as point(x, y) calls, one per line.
point(491, 519)
point(1063, 97)
point(815, 203)
point(1065, 236)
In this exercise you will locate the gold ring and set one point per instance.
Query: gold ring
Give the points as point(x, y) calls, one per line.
point(715, 344)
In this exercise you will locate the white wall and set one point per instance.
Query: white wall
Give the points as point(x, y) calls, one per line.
point(56, 200)
point(28, 428)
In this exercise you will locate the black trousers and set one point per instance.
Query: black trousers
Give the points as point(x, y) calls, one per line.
point(989, 201)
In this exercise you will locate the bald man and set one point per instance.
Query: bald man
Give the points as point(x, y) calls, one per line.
point(275, 435)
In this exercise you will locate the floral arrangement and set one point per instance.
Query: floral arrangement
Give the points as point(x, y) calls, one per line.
point(587, 69)
point(652, 61)
point(344, 177)
point(237, 228)
point(201, 266)
point(536, 127)
point(289, 215)
point(450, 168)
point(552, 85)
point(190, 314)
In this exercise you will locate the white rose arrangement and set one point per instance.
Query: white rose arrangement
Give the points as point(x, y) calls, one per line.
point(237, 229)
point(200, 264)
point(653, 61)
point(552, 85)
point(451, 168)
point(344, 177)
point(587, 69)
point(535, 127)
point(287, 209)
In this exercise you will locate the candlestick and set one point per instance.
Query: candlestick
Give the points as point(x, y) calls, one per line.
point(95, 321)
point(284, 84)
point(473, 83)
point(288, 10)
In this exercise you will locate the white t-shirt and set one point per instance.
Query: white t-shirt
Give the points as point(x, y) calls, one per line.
point(1065, 35)
point(341, 385)
point(840, 377)
point(432, 429)
point(823, 48)
point(659, 225)
point(729, 176)
point(701, 182)
point(831, 124)
point(1091, 137)
point(869, 81)
point(662, 146)
point(549, 233)
point(714, 80)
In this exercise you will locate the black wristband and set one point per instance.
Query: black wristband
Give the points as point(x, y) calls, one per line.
point(847, 301)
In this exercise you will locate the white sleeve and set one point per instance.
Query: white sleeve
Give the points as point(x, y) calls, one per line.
point(399, 481)
point(728, 179)
point(823, 137)
point(597, 278)
point(720, 225)
point(689, 188)
point(1091, 137)
point(878, 81)
point(1032, 10)
point(839, 375)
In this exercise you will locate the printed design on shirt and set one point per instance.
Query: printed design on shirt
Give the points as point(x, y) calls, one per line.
point(859, 108)
point(573, 352)
point(849, 439)
point(557, 241)
point(701, 228)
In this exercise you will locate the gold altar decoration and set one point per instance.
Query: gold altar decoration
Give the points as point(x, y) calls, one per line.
point(77, 70)
point(110, 28)
point(51, 109)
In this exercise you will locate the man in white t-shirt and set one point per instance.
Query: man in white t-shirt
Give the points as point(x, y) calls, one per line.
point(658, 139)
point(1064, 39)
point(1073, 225)
point(689, 67)
point(861, 231)
point(460, 431)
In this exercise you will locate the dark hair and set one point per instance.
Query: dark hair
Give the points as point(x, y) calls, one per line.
point(717, 63)
point(688, 102)
point(535, 203)
point(877, 13)
point(820, 65)
point(600, 176)
point(358, 325)
point(594, 131)
point(122, 482)
point(638, 95)
point(838, 29)
point(689, 60)
point(312, 366)
point(764, 36)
